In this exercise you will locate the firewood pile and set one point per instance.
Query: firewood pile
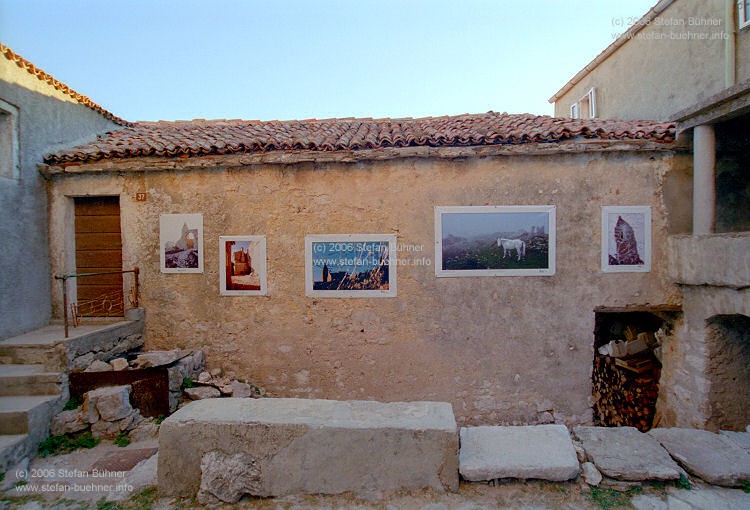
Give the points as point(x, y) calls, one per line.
point(625, 380)
point(622, 397)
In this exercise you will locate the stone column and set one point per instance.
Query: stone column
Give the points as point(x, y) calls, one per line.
point(704, 179)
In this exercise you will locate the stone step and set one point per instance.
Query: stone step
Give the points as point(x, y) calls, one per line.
point(541, 452)
point(18, 380)
point(741, 439)
point(13, 448)
point(22, 414)
point(715, 458)
point(627, 454)
point(50, 356)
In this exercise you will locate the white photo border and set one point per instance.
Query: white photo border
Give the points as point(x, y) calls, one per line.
point(549, 210)
point(644, 251)
point(391, 239)
point(259, 264)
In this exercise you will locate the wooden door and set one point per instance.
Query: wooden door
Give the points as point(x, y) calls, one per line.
point(98, 249)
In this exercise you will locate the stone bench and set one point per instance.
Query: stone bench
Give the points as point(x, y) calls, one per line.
point(224, 448)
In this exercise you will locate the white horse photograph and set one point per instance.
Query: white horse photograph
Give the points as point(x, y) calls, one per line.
point(495, 240)
point(508, 245)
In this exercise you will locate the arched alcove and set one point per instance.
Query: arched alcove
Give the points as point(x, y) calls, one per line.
point(728, 371)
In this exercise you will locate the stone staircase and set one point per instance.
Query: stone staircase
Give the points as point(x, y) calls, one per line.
point(34, 371)
point(30, 394)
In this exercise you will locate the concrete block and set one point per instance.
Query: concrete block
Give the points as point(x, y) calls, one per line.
point(543, 452)
point(298, 446)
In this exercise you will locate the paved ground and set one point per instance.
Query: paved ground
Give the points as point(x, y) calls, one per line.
point(471, 496)
point(111, 478)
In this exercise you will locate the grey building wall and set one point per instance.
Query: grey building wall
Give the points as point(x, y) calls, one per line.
point(675, 61)
point(46, 120)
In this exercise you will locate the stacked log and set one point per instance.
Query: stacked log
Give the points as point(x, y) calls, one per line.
point(623, 397)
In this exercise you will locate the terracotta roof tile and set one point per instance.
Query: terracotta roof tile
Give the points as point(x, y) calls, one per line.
point(58, 85)
point(201, 137)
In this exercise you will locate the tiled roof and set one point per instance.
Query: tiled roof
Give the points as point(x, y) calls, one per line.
point(201, 137)
point(58, 85)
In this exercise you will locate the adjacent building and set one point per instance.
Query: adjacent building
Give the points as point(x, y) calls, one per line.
point(38, 114)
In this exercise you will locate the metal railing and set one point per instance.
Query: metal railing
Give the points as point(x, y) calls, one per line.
point(104, 303)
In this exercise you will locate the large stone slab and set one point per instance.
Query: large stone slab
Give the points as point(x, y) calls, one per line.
point(625, 453)
point(298, 446)
point(712, 457)
point(739, 438)
point(542, 452)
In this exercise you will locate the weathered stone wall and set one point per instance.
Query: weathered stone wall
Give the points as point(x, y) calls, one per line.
point(47, 120)
point(500, 349)
point(668, 65)
point(713, 272)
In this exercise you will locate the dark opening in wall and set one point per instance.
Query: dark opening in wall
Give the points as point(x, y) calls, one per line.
point(627, 364)
point(728, 343)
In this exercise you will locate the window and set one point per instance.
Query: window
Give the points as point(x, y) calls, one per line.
point(585, 108)
point(744, 13)
point(9, 167)
point(574, 111)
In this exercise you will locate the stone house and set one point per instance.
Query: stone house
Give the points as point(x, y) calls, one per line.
point(501, 349)
point(38, 114)
point(688, 62)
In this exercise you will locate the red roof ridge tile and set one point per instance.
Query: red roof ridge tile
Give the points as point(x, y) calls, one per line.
point(58, 85)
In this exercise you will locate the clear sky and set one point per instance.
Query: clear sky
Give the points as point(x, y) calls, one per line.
point(299, 59)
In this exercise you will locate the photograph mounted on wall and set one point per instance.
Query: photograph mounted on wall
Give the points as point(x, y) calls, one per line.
point(242, 266)
point(181, 243)
point(495, 240)
point(352, 265)
point(626, 239)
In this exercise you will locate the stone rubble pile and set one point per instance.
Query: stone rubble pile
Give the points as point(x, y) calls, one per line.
point(180, 364)
point(108, 411)
point(215, 386)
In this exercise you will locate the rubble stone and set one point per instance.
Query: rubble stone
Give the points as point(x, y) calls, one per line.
point(119, 364)
point(159, 358)
point(202, 392)
point(88, 409)
point(242, 390)
point(68, 422)
point(112, 403)
point(99, 366)
point(145, 429)
point(591, 475)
